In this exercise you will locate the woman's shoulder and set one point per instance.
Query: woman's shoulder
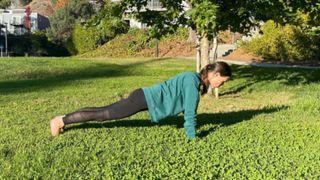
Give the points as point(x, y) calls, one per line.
point(190, 74)
point(189, 77)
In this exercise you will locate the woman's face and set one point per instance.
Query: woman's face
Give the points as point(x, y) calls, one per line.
point(215, 80)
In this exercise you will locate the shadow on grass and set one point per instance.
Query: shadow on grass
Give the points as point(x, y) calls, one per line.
point(288, 77)
point(39, 80)
point(217, 119)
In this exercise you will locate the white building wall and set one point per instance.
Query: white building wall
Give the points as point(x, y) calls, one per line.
point(154, 5)
point(133, 23)
point(16, 17)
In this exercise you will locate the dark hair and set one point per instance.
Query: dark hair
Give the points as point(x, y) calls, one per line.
point(219, 67)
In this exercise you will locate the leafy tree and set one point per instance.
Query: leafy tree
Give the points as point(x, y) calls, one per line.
point(63, 21)
point(311, 10)
point(208, 17)
point(285, 43)
point(100, 28)
point(4, 4)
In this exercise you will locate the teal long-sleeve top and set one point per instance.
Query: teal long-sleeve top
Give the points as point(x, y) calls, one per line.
point(176, 95)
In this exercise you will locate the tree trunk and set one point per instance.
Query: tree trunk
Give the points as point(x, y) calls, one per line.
point(215, 49)
point(204, 50)
point(205, 59)
point(216, 92)
point(192, 36)
point(215, 57)
point(198, 56)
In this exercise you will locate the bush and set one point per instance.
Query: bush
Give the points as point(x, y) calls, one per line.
point(98, 30)
point(62, 22)
point(124, 45)
point(36, 44)
point(4, 4)
point(85, 39)
point(285, 43)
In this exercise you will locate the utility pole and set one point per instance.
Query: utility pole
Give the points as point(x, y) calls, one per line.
point(5, 25)
point(1, 45)
point(6, 38)
point(157, 48)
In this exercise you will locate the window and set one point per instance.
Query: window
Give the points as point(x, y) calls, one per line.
point(154, 4)
point(33, 21)
point(14, 20)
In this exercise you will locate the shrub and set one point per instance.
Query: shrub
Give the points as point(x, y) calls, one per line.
point(85, 39)
point(98, 30)
point(123, 45)
point(180, 34)
point(36, 44)
point(63, 20)
point(4, 4)
point(285, 43)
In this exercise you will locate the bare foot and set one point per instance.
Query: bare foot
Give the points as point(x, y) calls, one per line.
point(56, 125)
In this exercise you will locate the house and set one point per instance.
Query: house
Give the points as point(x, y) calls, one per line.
point(154, 5)
point(14, 21)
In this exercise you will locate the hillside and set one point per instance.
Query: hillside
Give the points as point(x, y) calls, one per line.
point(46, 7)
point(60, 3)
point(134, 44)
point(43, 7)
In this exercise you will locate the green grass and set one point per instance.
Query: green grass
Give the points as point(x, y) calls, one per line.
point(264, 126)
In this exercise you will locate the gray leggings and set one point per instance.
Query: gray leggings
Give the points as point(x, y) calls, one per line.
point(135, 103)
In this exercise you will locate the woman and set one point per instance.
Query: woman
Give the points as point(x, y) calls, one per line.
point(179, 94)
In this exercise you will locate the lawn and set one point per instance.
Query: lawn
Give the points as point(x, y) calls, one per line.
point(265, 125)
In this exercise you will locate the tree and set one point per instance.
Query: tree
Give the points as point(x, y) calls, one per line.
point(4, 4)
point(63, 21)
point(208, 17)
point(99, 29)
